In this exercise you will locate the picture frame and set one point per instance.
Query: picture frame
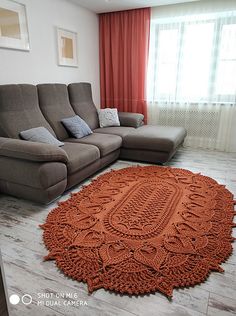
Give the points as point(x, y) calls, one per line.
point(67, 48)
point(14, 32)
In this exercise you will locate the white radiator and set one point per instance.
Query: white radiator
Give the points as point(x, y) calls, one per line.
point(199, 122)
point(208, 125)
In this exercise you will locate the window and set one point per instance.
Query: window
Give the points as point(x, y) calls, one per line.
point(226, 72)
point(167, 61)
point(193, 59)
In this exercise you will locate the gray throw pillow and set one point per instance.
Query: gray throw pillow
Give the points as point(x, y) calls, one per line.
point(108, 117)
point(40, 135)
point(76, 126)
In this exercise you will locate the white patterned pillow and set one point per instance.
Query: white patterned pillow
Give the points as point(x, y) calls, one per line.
point(108, 117)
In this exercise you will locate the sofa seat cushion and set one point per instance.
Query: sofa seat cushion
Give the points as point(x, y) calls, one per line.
point(155, 138)
point(106, 143)
point(117, 130)
point(80, 156)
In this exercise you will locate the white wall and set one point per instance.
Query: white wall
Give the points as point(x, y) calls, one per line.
point(39, 65)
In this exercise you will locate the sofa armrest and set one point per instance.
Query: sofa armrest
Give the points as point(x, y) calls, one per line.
point(131, 119)
point(32, 151)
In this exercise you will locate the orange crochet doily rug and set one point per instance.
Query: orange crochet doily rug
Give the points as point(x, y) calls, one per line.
point(142, 229)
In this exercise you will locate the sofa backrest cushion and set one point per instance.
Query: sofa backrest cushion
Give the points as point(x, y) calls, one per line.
point(19, 110)
point(80, 95)
point(55, 106)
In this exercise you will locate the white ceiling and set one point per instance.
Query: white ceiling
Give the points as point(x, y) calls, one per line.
point(100, 6)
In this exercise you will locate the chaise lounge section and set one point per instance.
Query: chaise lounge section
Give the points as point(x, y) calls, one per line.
point(155, 144)
point(42, 172)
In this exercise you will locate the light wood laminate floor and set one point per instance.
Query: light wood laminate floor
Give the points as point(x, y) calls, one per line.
point(27, 273)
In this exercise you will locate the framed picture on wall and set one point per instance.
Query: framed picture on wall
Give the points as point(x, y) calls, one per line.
point(67, 48)
point(13, 25)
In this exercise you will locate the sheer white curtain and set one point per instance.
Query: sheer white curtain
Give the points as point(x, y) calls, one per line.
point(192, 76)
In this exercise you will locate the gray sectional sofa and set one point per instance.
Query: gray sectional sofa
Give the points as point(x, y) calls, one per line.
point(42, 172)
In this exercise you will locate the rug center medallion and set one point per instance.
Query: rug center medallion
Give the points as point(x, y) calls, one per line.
point(144, 210)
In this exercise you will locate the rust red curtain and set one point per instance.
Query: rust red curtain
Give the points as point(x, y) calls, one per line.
point(124, 42)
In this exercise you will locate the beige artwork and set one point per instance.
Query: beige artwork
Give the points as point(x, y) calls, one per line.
point(9, 24)
point(67, 47)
